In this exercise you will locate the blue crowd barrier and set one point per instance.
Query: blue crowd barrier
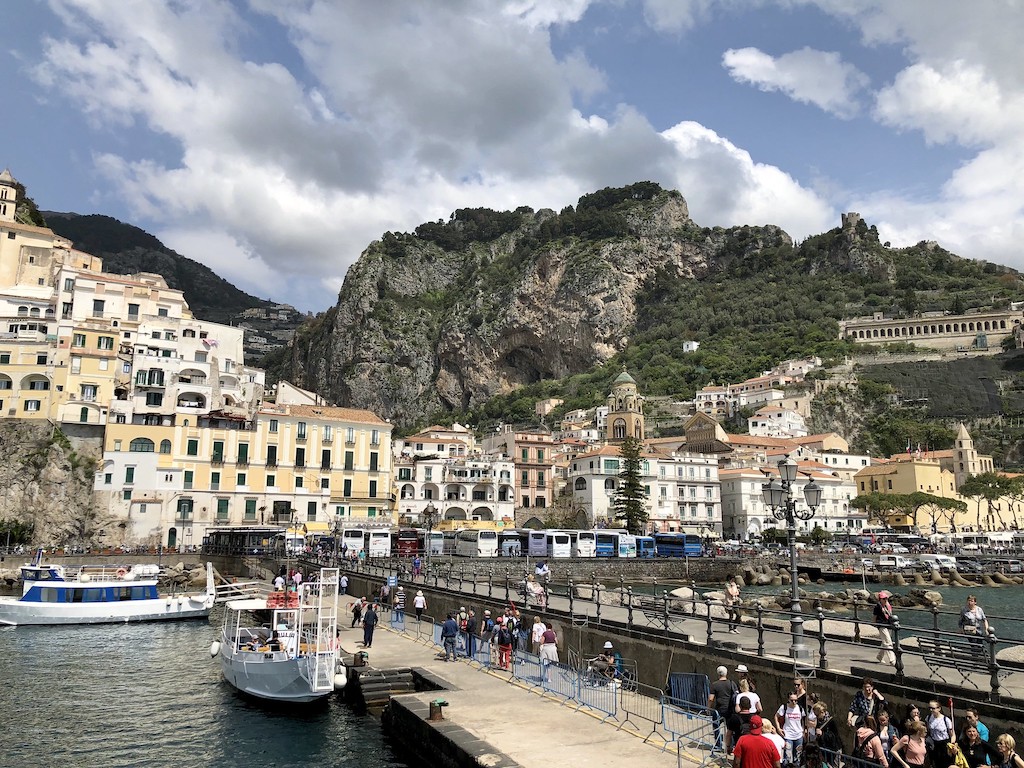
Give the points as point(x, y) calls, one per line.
point(560, 680)
point(527, 667)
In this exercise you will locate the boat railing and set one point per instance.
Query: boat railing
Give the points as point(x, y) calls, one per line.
point(110, 573)
point(242, 590)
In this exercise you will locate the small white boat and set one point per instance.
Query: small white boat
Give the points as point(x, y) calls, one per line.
point(52, 594)
point(292, 658)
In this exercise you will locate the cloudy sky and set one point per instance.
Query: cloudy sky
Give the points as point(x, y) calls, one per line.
point(274, 139)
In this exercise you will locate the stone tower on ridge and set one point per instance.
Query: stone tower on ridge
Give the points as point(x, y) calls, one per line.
point(8, 196)
point(625, 410)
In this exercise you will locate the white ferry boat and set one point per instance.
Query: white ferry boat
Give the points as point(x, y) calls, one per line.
point(99, 595)
point(292, 658)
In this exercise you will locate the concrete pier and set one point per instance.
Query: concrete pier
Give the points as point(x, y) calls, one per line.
point(491, 720)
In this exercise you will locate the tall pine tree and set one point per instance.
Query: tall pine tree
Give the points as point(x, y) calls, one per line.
point(629, 502)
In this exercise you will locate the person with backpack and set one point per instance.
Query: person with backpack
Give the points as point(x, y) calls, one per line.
point(503, 637)
point(827, 734)
point(789, 720)
point(940, 733)
point(867, 747)
point(721, 703)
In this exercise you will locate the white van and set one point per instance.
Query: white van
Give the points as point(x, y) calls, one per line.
point(937, 562)
point(895, 562)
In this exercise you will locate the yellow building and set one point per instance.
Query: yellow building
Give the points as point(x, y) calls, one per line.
point(297, 465)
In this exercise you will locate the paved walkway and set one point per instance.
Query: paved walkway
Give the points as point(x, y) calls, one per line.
point(842, 653)
point(534, 730)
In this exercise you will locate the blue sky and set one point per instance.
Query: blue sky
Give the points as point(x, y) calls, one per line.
point(274, 139)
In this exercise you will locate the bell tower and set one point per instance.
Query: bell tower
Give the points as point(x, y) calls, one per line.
point(625, 410)
point(8, 196)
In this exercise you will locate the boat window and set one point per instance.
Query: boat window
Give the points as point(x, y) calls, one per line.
point(50, 595)
point(139, 593)
point(94, 596)
point(122, 593)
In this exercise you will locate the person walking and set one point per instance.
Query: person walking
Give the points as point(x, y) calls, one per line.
point(789, 720)
point(471, 630)
point(449, 631)
point(866, 744)
point(399, 604)
point(504, 639)
point(720, 702)
point(911, 751)
point(973, 622)
point(537, 635)
point(419, 603)
point(940, 730)
point(548, 651)
point(752, 750)
point(369, 624)
point(417, 567)
point(732, 596)
point(357, 611)
point(865, 702)
point(884, 619)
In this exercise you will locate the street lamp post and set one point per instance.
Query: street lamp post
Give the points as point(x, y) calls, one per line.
point(778, 495)
point(429, 515)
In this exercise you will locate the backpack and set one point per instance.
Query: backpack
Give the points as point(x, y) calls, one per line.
point(734, 698)
point(504, 637)
point(859, 747)
point(488, 625)
point(463, 621)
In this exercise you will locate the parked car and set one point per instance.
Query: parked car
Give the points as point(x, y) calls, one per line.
point(966, 565)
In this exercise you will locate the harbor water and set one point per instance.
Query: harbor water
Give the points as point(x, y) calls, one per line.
point(150, 695)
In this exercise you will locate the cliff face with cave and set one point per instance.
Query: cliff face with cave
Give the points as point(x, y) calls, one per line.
point(468, 309)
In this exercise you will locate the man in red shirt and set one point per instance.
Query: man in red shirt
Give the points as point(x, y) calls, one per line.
point(753, 750)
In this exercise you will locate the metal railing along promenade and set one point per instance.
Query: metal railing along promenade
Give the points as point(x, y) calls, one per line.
point(648, 712)
point(918, 642)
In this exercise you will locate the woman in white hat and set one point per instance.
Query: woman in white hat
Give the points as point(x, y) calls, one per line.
point(884, 620)
point(419, 603)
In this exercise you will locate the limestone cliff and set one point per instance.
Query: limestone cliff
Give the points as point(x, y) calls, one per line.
point(464, 310)
point(48, 482)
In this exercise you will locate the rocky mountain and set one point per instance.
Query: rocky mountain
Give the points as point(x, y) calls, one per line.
point(126, 249)
point(444, 319)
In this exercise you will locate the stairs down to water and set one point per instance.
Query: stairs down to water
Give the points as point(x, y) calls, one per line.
point(375, 687)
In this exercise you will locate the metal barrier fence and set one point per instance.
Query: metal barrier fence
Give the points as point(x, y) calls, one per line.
point(560, 679)
point(692, 730)
point(641, 704)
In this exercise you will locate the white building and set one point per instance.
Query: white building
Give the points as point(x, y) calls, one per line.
point(683, 492)
point(458, 488)
point(775, 421)
point(746, 516)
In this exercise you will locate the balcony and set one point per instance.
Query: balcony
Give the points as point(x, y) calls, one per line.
point(217, 460)
point(271, 463)
point(300, 438)
point(183, 516)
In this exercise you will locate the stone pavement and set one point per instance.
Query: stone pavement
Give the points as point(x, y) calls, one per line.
point(532, 729)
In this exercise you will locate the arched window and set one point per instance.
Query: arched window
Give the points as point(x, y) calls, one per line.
point(580, 485)
point(34, 312)
point(141, 445)
point(165, 446)
point(619, 429)
point(609, 484)
point(22, 311)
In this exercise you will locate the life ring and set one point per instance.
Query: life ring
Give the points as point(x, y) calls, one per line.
point(122, 572)
point(848, 570)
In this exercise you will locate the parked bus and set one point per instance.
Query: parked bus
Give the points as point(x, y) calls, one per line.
point(405, 542)
point(377, 542)
point(645, 547)
point(538, 544)
point(606, 544)
point(677, 545)
point(513, 542)
point(471, 542)
point(435, 545)
point(352, 540)
point(449, 541)
point(586, 544)
point(289, 544)
point(559, 544)
point(627, 545)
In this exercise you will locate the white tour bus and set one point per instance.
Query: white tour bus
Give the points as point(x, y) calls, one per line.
point(538, 544)
point(559, 544)
point(351, 540)
point(471, 542)
point(586, 544)
point(377, 542)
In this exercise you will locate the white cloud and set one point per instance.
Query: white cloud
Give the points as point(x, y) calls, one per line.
point(676, 15)
point(403, 114)
point(820, 78)
point(960, 103)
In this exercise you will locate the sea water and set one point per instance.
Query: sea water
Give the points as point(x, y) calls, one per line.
point(151, 695)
